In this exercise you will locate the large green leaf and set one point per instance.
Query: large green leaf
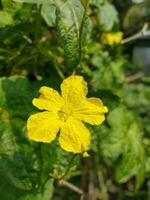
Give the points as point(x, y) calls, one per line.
point(44, 192)
point(17, 157)
point(121, 145)
point(69, 18)
point(22, 164)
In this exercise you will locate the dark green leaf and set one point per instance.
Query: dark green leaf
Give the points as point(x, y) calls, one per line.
point(69, 18)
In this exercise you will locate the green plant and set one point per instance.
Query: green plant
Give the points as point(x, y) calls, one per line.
point(41, 43)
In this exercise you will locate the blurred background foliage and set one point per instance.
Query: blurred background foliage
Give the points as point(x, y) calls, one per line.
point(41, 43)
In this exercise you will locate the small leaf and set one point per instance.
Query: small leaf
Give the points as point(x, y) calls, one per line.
point(48, 14)
point(10, 6)
point(107, 16)
point(5, 19)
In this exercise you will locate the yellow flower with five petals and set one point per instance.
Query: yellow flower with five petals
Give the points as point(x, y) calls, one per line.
point(66, 113)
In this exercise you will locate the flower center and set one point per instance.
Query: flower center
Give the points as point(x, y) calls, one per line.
point(64, 113)
point(62, 116)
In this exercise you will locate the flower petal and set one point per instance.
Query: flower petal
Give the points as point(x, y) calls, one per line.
point(74, 136)
point(49, 100)
point(90, 110)
point(74, 85)
point(43, 126)
point(98, 102)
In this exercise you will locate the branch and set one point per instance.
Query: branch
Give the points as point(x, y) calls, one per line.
point(71, 186)
point(133, 78)
point(136, 36)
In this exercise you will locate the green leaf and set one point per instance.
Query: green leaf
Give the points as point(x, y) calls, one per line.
point(121, 145)
point(107, 16)
point(108, 73)
point(17, 157)
point(49, 158)
point(14, 163)
point(136, 15)
point(44, 192)
point(132, 162)
point(48, 14)
point(10, 6)
point(7, 191)
point(97, 2)
point(18, 90)
point(69, 18)
point(84, 2)
point(5, 19)
point(86, 32)
point(141, 93)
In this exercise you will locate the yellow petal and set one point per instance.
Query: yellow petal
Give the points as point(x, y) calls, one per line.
point(74, 136)
point(98, 102)
point(90, 110)
point(74, 85)
point(43, 126)
point(49, 100)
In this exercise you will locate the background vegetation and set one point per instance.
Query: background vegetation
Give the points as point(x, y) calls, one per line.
point(41, 43)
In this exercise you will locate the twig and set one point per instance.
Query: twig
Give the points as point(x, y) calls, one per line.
point(134, 78)
point(136, 36)
point(103, 187)
point(71, 186)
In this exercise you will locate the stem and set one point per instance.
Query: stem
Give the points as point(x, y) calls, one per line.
point(71, 186)
point(60, 73)
point(136, 36)
point(69, 166)
point(133, 78)
point(81, 27)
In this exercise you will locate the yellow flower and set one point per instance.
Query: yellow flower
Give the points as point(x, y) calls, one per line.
point(111, 38)
point(65, 113)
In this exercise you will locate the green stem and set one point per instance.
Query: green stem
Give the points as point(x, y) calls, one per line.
point(82, 26)
point(69, 166)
